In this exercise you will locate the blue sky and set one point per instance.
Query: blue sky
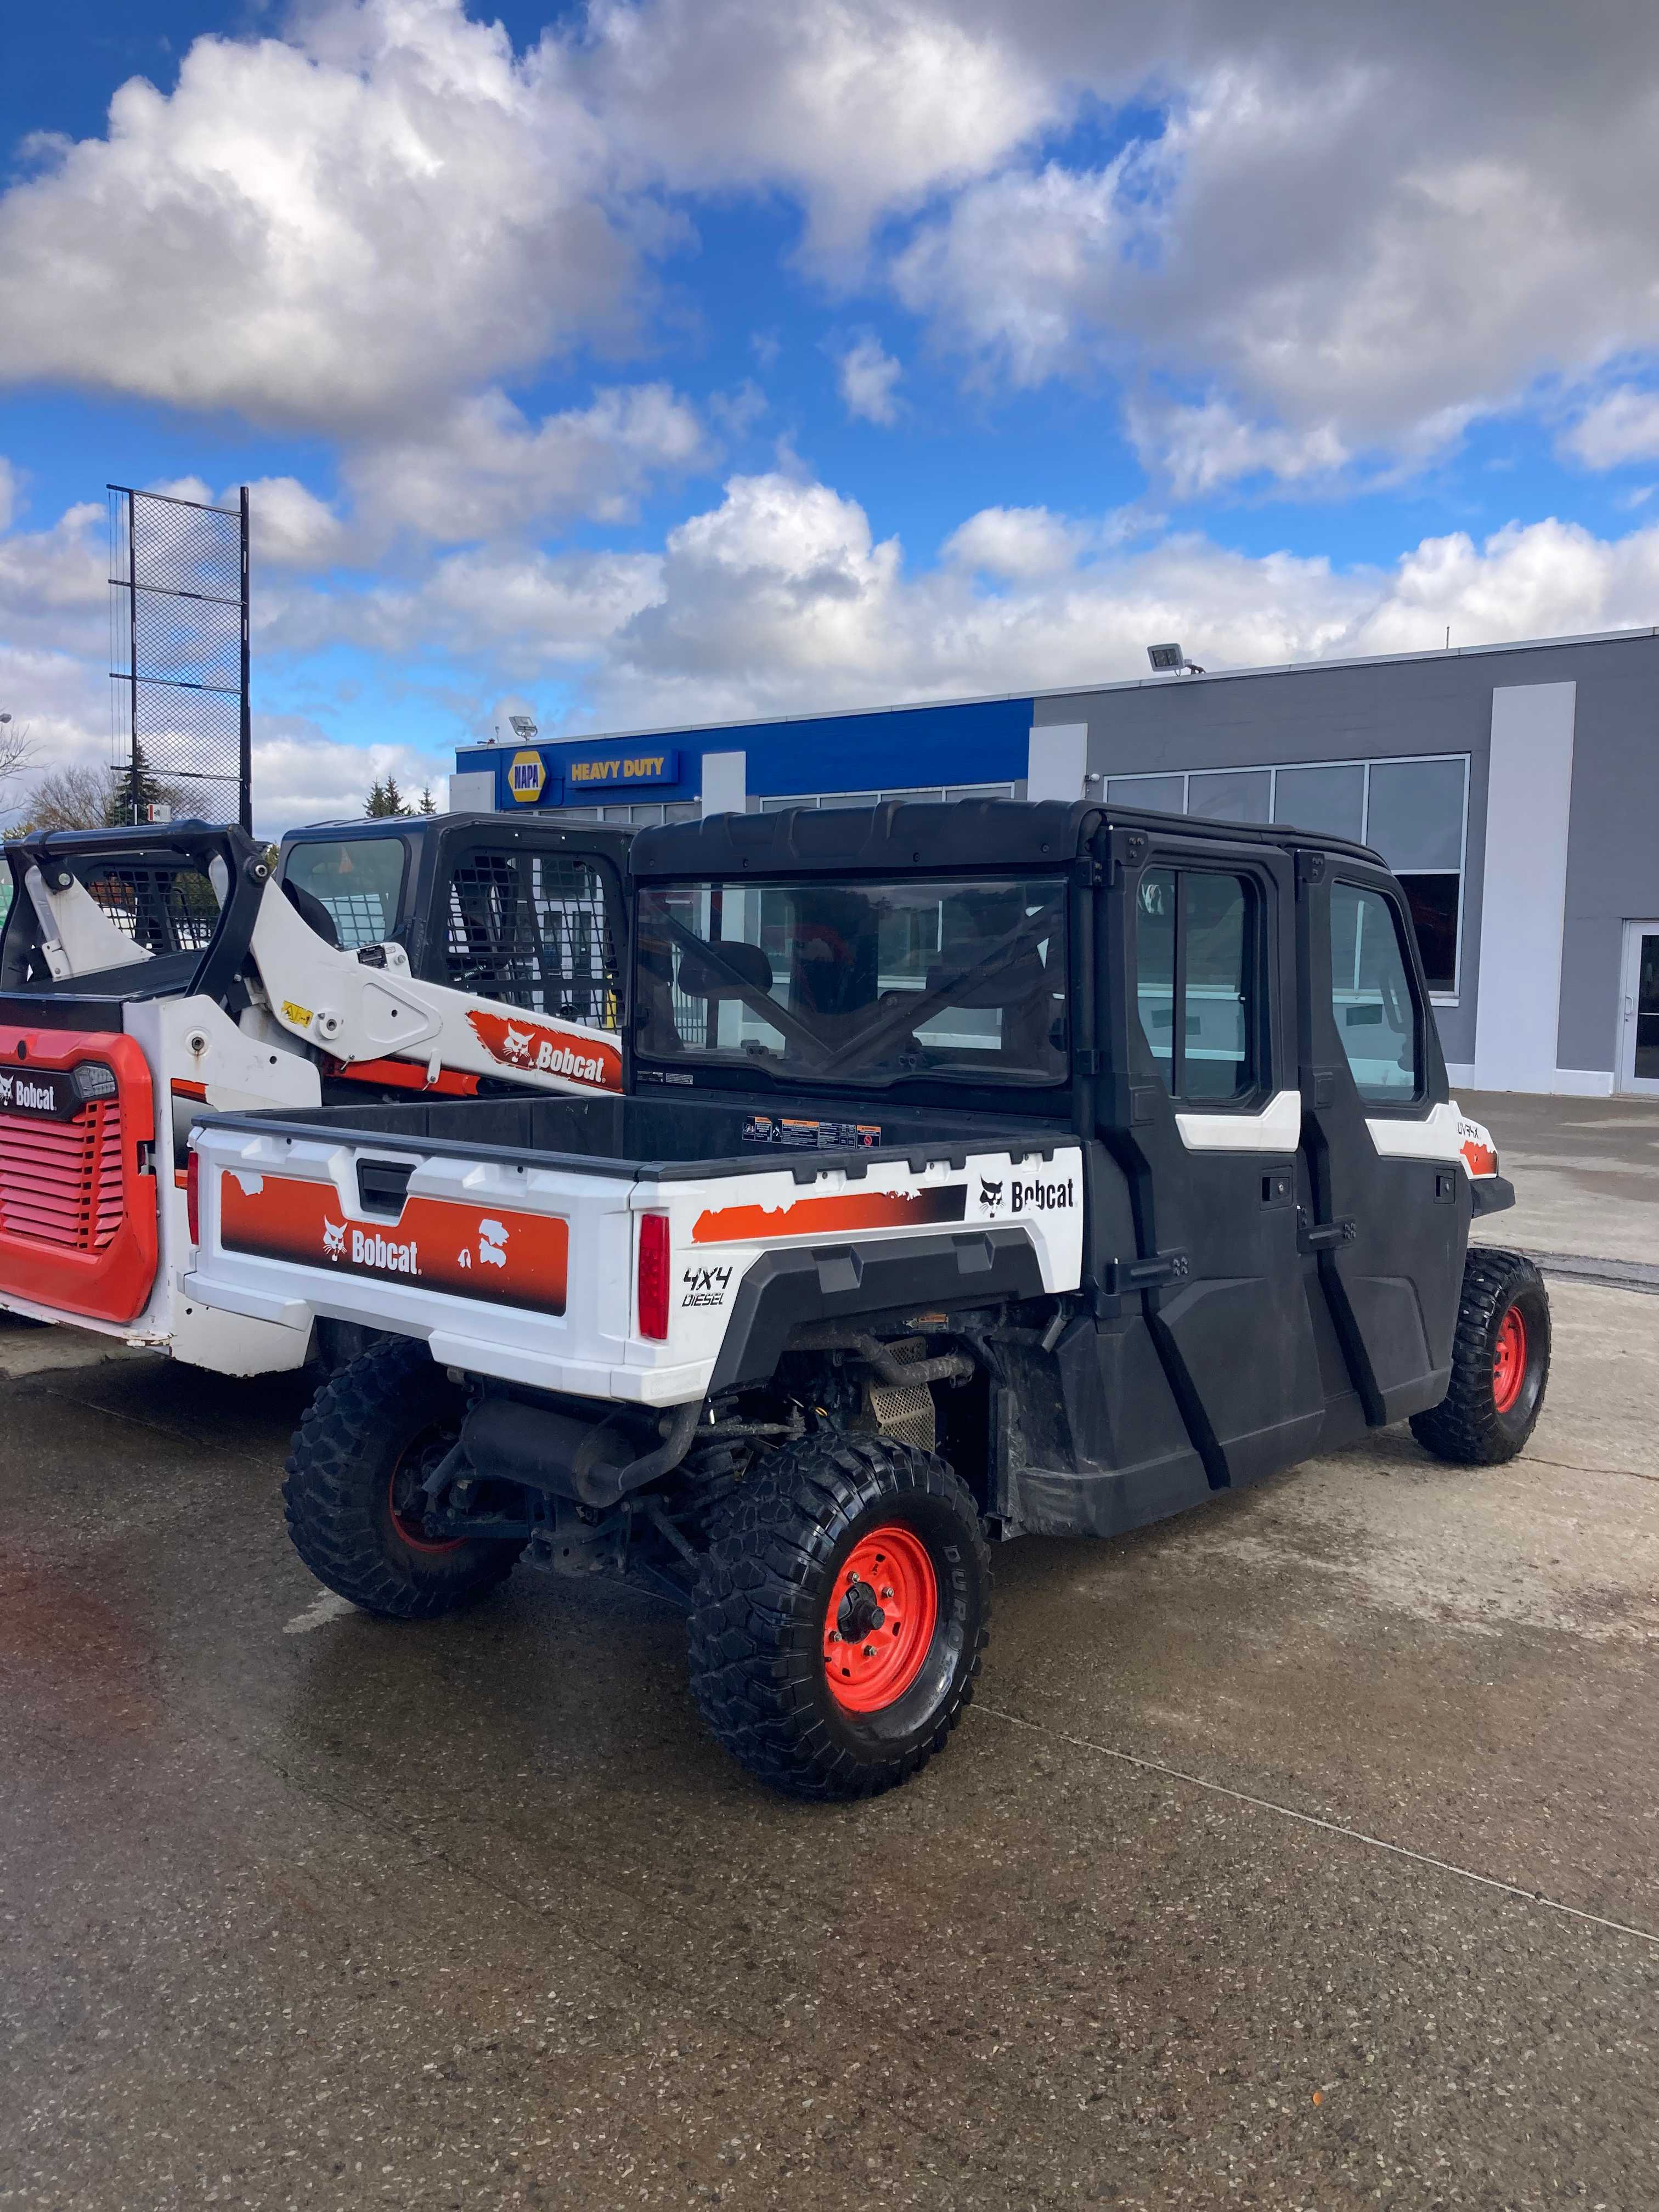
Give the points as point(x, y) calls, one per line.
point(673, 359)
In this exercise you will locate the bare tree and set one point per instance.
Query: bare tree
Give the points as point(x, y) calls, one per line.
point(17, 753)
point(73, 798)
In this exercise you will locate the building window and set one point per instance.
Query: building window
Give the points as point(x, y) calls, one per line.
point(1414, 811)
point(875, 798)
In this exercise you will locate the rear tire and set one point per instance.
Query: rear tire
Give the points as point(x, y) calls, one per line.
point(1500, 1363)
point(839, 1614)
point(369, 1436)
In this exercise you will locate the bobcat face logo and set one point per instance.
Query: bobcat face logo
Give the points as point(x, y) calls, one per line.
point(990, 1194)
point(516, 1043)
point(333, 1237)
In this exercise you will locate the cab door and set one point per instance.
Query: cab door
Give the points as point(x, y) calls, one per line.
point(1213, 1123)
point(1389, 1204)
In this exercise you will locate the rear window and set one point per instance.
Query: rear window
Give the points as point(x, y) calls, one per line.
point(359, 881)
point(858, 981)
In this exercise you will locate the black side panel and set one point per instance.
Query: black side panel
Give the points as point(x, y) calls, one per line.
point(60, 1010)
point(841, 1282)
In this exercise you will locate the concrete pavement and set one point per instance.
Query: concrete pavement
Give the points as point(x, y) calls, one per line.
point(1300, 1852)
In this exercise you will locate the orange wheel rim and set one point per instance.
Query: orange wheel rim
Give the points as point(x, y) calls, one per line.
point(1509, 1360)
point(404, 1492)
point(878, 1624)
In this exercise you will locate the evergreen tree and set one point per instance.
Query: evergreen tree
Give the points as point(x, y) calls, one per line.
point(385, 799)
point(429, 803)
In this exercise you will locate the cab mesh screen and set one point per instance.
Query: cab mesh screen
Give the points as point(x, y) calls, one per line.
point(532, 928)
point(161, 905)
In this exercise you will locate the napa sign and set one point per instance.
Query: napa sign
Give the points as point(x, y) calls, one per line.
point(550, 775)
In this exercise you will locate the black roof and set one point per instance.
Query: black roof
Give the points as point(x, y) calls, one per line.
point(898, 834)
point(541, 830)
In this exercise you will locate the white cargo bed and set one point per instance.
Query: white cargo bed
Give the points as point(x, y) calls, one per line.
point(525, 1268)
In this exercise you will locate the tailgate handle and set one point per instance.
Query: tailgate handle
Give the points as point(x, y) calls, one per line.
point(382, 1185)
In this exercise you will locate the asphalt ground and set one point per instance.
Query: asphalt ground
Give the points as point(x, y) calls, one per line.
point(1303, 1852)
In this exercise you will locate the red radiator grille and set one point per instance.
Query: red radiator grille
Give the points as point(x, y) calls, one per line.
point(60, 1182)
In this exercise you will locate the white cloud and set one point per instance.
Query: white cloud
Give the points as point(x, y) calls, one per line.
point(1020, 543)
point(483, 471)
point(857, 108)
point(866, 375)
point(387, 207)
point(288, 526)
point(301, 775)
point(1623, 426)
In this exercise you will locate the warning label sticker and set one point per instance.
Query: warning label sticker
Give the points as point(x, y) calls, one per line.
point(798, 1136)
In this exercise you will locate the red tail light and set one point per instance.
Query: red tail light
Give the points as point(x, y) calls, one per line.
point(193, 1195)
point(653, 1276)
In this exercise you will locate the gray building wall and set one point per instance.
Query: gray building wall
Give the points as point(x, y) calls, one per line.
point(1439, 703)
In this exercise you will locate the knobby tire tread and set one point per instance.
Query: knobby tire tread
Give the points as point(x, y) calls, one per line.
point(1466, 1428)
point(757, 1607)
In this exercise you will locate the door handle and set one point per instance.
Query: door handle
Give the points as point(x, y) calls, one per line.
point(1323, 1235)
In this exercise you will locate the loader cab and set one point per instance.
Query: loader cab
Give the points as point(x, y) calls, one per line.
point(529, 913)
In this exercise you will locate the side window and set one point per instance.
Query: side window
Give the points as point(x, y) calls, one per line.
point(1372, 997)
point(1197, 983)
point(532, 929)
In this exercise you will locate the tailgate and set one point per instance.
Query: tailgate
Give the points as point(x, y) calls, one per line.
point(515, 1271)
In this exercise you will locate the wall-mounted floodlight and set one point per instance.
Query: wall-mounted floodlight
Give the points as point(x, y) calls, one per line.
point(1170, 661)
point(523, 728)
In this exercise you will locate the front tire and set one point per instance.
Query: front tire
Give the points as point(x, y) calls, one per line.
point(370, 1436)
point(839, 1615)
point(1500, 1363)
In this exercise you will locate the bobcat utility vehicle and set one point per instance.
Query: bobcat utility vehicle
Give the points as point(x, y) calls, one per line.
point(145, 973)
point(978, 1170)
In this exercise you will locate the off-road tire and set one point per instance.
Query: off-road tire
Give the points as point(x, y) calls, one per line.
point(757, 1652)
point(1469, 1427)
point(346, 1454)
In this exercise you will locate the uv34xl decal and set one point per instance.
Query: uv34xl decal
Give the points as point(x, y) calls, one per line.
point(815, 1217)
point(469, 1250)
point(520, 1041)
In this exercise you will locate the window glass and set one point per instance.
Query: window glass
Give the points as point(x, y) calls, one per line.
point(1416, 814)
point(1329, 799)
point(360, 880)
point(1232, 795)
point(1161, 794)
point(1433, 901)
point(1155, 940)
point(1195, 1010)
point(858, 981)
point(1371, 995)
point(1215, 927)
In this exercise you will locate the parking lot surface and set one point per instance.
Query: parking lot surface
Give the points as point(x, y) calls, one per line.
point(1302, 1852)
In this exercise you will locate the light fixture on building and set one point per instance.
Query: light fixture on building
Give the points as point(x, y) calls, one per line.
point(523, 728)
point(1170, 661)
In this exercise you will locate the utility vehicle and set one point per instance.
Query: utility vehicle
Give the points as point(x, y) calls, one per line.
point(979, 1170)
point(147, 972)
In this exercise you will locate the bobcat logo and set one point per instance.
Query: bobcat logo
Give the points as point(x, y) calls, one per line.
point(515, 1045)
point(333, 1237)
point(990, 1194)
point(492, 1244)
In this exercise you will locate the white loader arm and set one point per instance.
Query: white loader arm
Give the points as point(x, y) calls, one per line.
point(359, 1011)
point(77, 938)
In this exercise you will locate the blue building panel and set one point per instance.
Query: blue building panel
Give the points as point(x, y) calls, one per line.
point(896, 748)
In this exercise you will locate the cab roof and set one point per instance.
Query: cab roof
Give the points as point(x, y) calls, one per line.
point(897, 836)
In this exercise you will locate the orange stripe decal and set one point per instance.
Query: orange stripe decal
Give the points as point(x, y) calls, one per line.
point(437, 1244)
point(808, 1217)
point(526, 1046)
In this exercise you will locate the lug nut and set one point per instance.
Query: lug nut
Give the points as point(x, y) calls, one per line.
point(869, 1650)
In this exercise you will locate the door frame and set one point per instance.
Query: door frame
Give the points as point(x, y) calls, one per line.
point(1626, 1081)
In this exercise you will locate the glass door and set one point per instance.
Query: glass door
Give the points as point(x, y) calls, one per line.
point(1638, 1010)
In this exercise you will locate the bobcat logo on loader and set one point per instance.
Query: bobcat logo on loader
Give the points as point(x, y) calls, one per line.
point(333, 1237)
point(515, 1045)
point(990, 1195)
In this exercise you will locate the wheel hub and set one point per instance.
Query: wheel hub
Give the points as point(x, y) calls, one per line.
point(878, 1624)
